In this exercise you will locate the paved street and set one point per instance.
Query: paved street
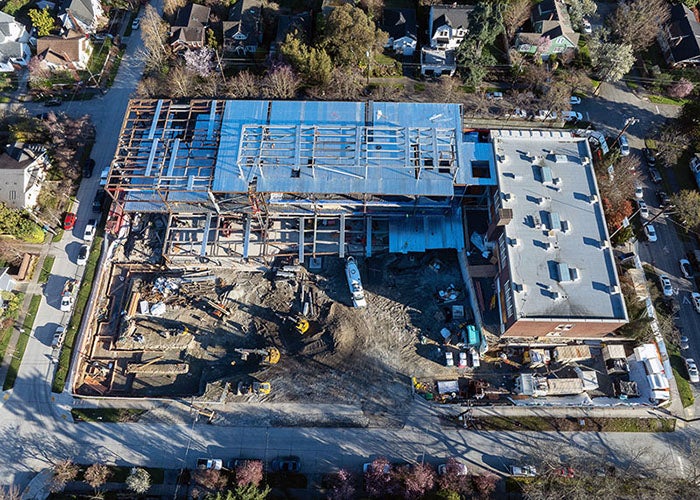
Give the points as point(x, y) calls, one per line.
point(36, 431)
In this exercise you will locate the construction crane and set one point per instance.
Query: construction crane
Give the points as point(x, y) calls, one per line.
point(269, 355)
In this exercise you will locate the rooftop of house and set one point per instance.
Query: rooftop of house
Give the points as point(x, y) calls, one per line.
point(301, 23)
point(84, 10)
point(684, 26)
point(399, 23)
point(551, 20)
point(20, 155)
point(560, 261)
point(453, 16)
point(192, 15)
point(61, 48)
point(245, 18)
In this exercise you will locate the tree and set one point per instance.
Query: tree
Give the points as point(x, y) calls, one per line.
point(96, 475)
point(18, 224)
point(249, 472)
point(247, 492)
point(485, 484)
point(154, 33)
point(637, 23)
point(139, 480)
point(314, 65)
point(280, 82)
point(182, 82)
point(244, 85)
point(63, 472)
point(515, 13)
point(199, 61)
point(170, 7)
point(485, 24)
point(671, 143)
point(349, 35)
point(680, 89)
point(580, 9)
point(611, 61)
point(419, 481)
point(43, 21)
point(10, 493)
point(341, 486)
point(687, 204)
point(210, 479)
point(378, 478)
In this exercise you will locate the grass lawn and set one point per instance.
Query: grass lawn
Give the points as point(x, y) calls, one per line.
point(6, 334)
point(544, 424)
point(22, 343)
point(57, 237)
point(46, 269)
point(97, 59)
point(107, 415)
point(684, 388)
point(64, 360)
point(660, 99)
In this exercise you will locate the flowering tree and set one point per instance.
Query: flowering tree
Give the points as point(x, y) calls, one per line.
point(680, 89)
point(249, 472)
point(341, 486)
point(200, 61)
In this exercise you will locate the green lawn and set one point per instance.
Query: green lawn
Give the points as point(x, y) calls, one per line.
point(64, 360)
point(660, 99)
point(57, 237)
point(97, 60)
point(6, 334)
point(684, 388)
point(46, 269)
point(107, 415)
point(22, 343)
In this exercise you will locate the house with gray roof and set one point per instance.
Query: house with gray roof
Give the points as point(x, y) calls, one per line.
point(83, 16)
point(190, 28)
point(289, 24)
point(14, 44)
point(400, 25)
point(680, 37)
point(552, 31)
point(447, 27)
point(243, 31)
point(22, 170)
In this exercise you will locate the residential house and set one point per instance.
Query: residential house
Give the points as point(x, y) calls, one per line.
point(680, 37)
point(552, 31)
point(447, 27)
point(556, 275)
point(84, 16)
point(70, 52)
point(287, 24)
point(400, 24)
point(14, 44)
point(7, 284)
point(23, 169)
point(243, 31)
point(190, 28)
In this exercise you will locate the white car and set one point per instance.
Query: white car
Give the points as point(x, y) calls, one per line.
point(67, 303)
point(650, 231)
point(518, 113)
point(459, 469)
point(89, 233)
point(574, 100)
point(693, 373)
point(572, 116)
point(587, 28)
point(58, 337)
point(496, 96)
point(666, 285)
point(83, 255)
point(136, 23)
point(685, 268)
point(624, 146)
point(545, 115)
point(639, 192)
point(210, 464)
point(643, 209)
point(695, 299)
point(523, 470)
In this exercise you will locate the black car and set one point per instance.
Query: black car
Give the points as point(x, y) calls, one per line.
point(88, 168)
point(650, 156)
point(53, 102)
point(655, 175)
point(286, 464)
point(664, 199)
point(98, 201)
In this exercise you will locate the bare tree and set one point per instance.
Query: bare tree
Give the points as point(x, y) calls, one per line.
point(280, 83)
point(637, 22)
point(515, 14)
point(245, 85)
point(671, 143)
point(346, 84)
point(182, 82)
point(139, 480)
point(170, 7)
point(419, 481)
point(249, 472)
point(154, 33)
point(63, 472)
point(478, 104)
point(485, 484)
point(96, 475)
point(11, 492)
point(341, 486)
point(446, 89)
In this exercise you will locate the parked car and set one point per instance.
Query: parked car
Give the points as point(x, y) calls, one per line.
point(497, 96)
point(58, 337)
point(89, 233)
point(367, 467)
point(136, 23)
point(654, 175)
point(664, 199)
point(572, 116)
point(69, 221)
point(545, 115)
point(88, 167)
point(643, 209)
point(650, 231)
point(286, 464)
point(518, 113)
point(83, 255)
point(684, 343)
point(639, 192)
point(574, 100)
point(523, 470)
point(53, 102)
point(67, 303)
point(98, 201)
point(624, 145)
point(695, 299)
point(666, 285)
point(456, 468)
point(650, 156)
point(210, 463)
point(693, 373)
point(685, 268)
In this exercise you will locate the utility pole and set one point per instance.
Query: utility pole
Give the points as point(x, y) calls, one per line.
point(369, 64)
point(629, 121)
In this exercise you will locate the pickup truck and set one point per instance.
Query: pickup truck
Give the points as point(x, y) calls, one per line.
point(210, 463)
point(58, 337)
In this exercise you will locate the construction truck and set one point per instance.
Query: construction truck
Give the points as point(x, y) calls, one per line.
point(269, 355)
point(254, 387)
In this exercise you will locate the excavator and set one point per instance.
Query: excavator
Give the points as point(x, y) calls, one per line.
point(269, 355)
point(255, 387)
point(301, 324)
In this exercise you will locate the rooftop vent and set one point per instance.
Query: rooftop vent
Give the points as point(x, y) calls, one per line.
point(546, 174)
point(560, 158)
point(566, 273)
point(603, 244)
point(614, 289)
point(518, 287)
point(554, 221)
point(565, 226)
point(593, 198)
point(513, 242)
point(556, 181)
point(507, 196)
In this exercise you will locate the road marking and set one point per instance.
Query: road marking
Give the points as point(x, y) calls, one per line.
point(686, 300)
point(657, 110)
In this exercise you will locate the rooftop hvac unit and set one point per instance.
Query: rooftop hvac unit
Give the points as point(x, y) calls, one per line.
point(603, 244)
point(593, 198)
point(514, 242)
point(614, 289)
point(556, 181)
point(507, 196)
point(518, 287)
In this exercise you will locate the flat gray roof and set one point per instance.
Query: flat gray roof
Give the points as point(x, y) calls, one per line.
point(557, 244)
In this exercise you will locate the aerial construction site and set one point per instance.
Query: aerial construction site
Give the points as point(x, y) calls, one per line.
point(284, 251)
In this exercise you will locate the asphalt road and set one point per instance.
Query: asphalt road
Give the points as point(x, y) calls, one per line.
point(35, 432)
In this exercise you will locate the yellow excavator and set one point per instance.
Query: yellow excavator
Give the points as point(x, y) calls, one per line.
point(301, 324)
point(269, 355)
point(255, 387)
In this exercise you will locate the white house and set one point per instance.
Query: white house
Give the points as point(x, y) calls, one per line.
point(14, 44)
point(400, 25)
point(447, 27)
point(23, 168)
point(83, 16)
point(7, 284)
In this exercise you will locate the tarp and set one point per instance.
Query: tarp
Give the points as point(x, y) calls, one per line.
point(447, 386)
